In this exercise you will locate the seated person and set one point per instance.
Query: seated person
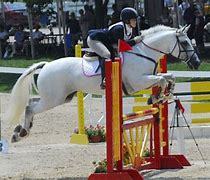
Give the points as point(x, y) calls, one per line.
point(37, 37)
point(37, 34)
point(20, 37)
point(3, 38)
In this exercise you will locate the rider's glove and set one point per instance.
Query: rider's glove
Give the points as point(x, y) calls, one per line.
point(138, 39)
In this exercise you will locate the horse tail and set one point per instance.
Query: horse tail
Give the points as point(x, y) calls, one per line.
point(20, 93)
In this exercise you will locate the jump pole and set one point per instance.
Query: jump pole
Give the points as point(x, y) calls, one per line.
point(114, 127)
point(168, 161)
point(81, 137)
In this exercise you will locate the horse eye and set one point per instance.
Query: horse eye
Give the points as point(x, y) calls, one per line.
point(184, 42)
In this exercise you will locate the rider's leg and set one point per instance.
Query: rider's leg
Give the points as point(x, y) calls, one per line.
point(103, 52)
point(102, 65)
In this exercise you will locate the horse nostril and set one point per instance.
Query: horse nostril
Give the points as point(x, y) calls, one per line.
point(197, 63)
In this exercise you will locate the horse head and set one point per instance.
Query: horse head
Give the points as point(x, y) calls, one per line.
point(184, 49)
point(165, 40)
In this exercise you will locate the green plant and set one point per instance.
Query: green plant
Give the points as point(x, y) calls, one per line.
point(96, 131)
point(92, 131)
point(101, 166)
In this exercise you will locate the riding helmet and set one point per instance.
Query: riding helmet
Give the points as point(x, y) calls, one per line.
point(127, 14)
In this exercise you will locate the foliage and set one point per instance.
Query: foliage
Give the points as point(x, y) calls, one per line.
point(37, 7)
point(80, 0)
point(100, 11)
point(92, 131)
point(101, 166)
point(40, 3)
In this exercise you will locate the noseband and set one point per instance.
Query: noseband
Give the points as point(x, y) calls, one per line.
point(181, 47)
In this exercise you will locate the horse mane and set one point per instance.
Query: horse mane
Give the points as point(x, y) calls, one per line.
point(155, 29)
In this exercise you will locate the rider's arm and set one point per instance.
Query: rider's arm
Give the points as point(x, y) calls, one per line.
point(117, 32)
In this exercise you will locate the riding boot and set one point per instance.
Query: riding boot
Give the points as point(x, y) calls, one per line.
point(102, 64)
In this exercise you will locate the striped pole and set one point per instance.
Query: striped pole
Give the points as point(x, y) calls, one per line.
point(81, 137)
point(168, 161)
point(114, 125)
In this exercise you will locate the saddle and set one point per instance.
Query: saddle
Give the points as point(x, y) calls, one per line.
point(90, 56)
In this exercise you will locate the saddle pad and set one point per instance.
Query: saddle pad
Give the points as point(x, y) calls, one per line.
point(89, 68)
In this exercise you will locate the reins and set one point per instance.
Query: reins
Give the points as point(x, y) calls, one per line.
point(186, 60)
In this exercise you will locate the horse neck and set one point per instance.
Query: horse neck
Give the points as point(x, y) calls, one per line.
point(150, 50)
point(157, 45)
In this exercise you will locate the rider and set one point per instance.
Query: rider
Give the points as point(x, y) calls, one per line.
point(101, 41)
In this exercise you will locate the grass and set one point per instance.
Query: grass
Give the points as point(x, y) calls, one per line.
point(8, 80)
point(205, 66)
point(22, 63)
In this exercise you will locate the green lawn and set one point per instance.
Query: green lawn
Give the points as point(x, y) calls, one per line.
point(7, 80)
point(21, 62)
point(205, 66)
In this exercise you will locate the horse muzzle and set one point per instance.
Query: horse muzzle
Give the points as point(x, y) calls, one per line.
point(194, 62)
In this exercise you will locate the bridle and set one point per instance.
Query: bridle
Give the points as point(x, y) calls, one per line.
point(178, 43)
point(181, 47)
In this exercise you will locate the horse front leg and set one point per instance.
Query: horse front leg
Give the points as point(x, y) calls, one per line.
point(161, 82)
point(170, 84)
point(23, 131)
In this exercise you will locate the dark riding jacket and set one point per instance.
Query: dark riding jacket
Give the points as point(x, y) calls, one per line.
point(111, 35)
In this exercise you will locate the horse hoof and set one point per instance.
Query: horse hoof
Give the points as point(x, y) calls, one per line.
point(149, 101)
point(23, 132)
point(31, 125)
point(15, 138)
point(17, 129)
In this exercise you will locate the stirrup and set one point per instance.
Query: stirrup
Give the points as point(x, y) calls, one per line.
point(103, 84)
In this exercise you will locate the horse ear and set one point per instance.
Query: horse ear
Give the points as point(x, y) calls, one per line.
point(185, 29)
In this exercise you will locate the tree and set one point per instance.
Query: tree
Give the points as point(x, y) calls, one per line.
point(34, 7)
point(100, 11)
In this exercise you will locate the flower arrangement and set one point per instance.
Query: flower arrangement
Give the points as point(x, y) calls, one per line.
point(101, 166)
point(95, 134)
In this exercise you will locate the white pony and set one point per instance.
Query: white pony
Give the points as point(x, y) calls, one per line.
point(59, 80)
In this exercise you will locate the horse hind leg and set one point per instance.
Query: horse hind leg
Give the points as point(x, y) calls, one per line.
point(37, 106)
point(70, 97)
point(23, 131)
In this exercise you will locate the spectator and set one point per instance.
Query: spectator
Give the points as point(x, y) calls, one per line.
point(73, 28)
point(84, 27)
point(2, 21)
point(37, 37)
point(19, 44)
point(143, 24)
point(87, 22)
point(193, 16)
point(37, 34)
point(115, 15)
point(89, 17)
point(183, 5)
point(3, 38)
point(165, 17)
